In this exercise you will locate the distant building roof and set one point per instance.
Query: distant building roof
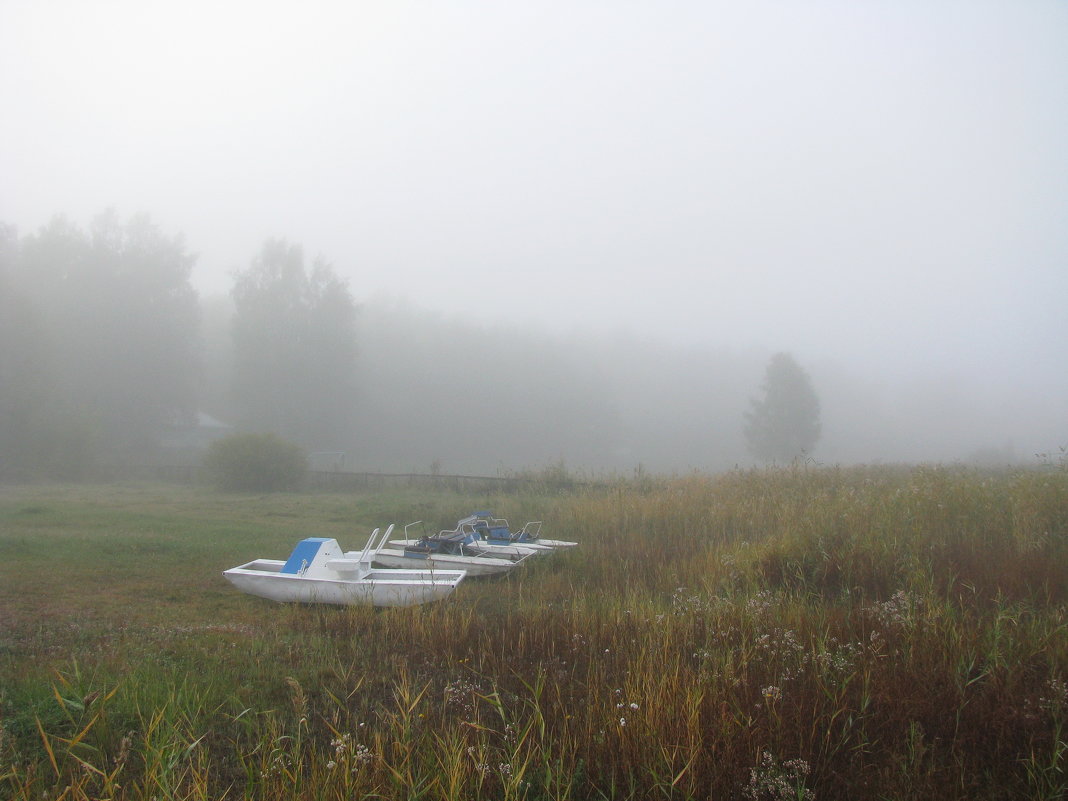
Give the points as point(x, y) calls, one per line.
point(207, 421)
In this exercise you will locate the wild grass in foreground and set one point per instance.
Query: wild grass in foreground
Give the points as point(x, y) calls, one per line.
point(800, 633)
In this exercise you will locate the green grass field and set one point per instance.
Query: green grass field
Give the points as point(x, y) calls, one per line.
point(807, 633)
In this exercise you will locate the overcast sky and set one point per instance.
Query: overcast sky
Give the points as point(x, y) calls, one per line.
point(883, 183)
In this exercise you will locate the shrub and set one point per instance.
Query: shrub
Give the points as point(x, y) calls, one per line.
point(256, 463)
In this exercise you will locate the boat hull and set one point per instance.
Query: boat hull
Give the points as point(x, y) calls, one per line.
point(473, 565)
point(554, 544)
point(513, 552)
point(538, 545)
point(384, 588)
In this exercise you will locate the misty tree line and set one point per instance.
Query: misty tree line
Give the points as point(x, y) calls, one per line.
point(108, 355)
point(99, 343)
point(103, 353)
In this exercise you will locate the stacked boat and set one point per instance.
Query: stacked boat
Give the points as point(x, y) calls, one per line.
point(496, 531)
point(405, 572)
point(483, 534)
point(317, 571)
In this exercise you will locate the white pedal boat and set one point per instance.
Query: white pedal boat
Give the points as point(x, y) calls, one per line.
point(473, 543)
point(496, 531)
point(449, 550)
point(319, 572)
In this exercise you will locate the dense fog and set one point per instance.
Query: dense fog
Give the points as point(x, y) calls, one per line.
point(108, 356)
point(477, 398)
point(479, 237)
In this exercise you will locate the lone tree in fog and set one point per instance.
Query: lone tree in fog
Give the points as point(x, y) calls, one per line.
point(294, 335)
point(785, 423)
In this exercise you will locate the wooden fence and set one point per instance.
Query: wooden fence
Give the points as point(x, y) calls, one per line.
point(343, 481)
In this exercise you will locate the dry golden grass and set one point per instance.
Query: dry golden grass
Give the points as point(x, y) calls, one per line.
point(797, 633)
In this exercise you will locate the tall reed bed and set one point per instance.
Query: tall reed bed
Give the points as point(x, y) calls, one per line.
point(800, 633)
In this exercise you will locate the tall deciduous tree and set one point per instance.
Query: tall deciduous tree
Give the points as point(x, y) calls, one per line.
point(294, 336)
point(784, 423)
point(22, 368)
point(118, 322)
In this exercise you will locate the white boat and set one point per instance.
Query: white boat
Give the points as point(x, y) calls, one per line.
point(496, 531)
point(447, 549)
point(473, 543)
point(319, 572)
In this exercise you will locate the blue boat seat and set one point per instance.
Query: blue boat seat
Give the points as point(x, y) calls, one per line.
point(303, 555)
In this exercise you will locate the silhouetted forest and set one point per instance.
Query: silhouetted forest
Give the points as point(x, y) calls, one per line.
point(109, 356)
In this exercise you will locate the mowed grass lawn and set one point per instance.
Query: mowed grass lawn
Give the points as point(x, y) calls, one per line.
point(795, 633)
